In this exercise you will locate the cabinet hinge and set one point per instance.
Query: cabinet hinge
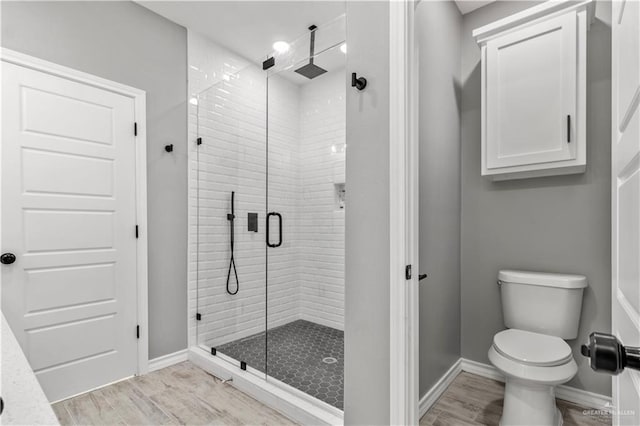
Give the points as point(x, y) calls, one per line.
point(407, 272)
point(137, 233)
point(137, 331)
point(135, 129)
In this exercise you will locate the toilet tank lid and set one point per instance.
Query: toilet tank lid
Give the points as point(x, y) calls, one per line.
point(542, 278)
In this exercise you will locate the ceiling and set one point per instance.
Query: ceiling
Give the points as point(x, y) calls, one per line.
point(248, 28)
point(251, 27)
point(466, 6)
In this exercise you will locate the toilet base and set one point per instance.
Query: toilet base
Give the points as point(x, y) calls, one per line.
point(527, 403)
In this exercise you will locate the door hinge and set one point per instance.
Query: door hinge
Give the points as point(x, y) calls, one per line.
point(198, 317)
point(407, 272)
point(137, 331)
point(199, 141)
point(135, 129)
point(137, 233)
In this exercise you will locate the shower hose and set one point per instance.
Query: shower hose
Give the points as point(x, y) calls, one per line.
point(232, 262)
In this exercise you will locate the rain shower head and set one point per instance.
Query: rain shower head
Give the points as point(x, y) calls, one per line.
point(311, 70)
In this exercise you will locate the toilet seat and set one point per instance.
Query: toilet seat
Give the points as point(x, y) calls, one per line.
point(534, 349)
point(549, 363)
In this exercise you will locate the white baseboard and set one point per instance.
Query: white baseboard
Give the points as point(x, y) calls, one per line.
point(481, 369)
point(168, 360)
point(438, 389)
point(567, 393)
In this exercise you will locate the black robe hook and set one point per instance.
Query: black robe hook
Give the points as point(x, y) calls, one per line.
point(359, 83)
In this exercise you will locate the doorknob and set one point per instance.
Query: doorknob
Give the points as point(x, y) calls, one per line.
point(7, 258)
point(608, 355)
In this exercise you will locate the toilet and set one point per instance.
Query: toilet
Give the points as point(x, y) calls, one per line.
point(541, 311)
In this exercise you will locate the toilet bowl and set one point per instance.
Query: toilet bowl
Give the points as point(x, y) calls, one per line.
point(533, 365)
point(540, 311)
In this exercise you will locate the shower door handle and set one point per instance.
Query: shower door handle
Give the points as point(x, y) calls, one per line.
point(279, 229)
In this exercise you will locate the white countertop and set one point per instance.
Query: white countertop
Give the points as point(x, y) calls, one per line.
point(24, 400)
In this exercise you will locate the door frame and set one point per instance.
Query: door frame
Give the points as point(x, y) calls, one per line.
point(139, 97)
point(403, 215)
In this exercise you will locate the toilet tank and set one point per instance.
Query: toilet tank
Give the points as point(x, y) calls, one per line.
point(542, 302)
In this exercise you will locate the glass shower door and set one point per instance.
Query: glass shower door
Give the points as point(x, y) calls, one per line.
point(270, 205)
point(306, 128)
point(231, 205)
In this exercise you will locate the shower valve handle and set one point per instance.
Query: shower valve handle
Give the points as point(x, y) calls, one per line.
point(358, 82)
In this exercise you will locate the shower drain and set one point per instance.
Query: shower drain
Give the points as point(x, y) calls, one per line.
point(329, 360)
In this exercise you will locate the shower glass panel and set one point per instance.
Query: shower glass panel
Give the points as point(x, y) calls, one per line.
point(306, 210)
point(270, 216)
point(231, 276)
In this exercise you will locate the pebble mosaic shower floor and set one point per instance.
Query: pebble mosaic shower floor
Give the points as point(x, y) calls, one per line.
point(302, 354)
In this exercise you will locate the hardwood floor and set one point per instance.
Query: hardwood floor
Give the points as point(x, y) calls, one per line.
point(185, 394)
point(180, 394)
point(474, 400)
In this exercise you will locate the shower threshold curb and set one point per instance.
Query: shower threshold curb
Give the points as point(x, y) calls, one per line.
point(301, 409)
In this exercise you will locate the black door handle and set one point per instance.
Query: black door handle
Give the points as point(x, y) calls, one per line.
point(608, 355)
point(422, 277)
point(279, 229)
point(7, 258)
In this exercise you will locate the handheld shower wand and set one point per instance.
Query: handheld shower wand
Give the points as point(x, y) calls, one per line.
point(232, 262)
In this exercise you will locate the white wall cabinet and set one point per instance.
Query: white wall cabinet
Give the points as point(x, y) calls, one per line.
point(534, 91)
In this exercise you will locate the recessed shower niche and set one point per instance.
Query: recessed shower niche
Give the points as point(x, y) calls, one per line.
point(272, 142)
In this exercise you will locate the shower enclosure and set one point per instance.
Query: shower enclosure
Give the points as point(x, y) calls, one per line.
point(269, 209)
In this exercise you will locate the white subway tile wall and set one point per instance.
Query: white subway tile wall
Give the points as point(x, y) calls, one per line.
point(322, 159)
point(305, 166)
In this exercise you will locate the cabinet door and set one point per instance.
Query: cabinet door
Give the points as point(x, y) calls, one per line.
point(531, 94)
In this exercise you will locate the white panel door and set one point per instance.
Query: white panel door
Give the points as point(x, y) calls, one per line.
point(68, 215)
point(626, 201)
point(531, 94)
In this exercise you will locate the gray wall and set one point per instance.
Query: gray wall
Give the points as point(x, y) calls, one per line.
point(127, 43)
point(438, 21)
point(559, 224)
point(366, 382)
